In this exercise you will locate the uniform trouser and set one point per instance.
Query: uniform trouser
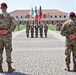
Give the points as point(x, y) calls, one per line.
point(32, 34)
point(8, 48)
point(69, 49)
point(45, 33)
point(41, 34)
point(27, 34)
point(36, 34)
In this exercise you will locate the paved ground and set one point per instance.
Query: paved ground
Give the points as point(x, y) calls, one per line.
point(38, 56)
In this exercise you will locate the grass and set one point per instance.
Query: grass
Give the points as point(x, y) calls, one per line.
point(21, 27)
point(52, 27)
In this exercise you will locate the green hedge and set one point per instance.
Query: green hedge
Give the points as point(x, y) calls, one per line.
point(52, 27)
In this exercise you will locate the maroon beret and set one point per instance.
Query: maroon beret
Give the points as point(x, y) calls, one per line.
point(72, 14)
point(4, 4)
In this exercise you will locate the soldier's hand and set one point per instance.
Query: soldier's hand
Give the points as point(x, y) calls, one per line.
point(72, 37)
point(3, 32)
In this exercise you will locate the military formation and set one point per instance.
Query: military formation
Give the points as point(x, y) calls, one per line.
point(35, 29)
point(8, 24)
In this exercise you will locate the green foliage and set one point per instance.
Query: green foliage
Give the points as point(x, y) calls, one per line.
point(52, 27)
point(21, 27)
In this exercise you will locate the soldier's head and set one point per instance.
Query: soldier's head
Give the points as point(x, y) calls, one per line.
point(3, 7)
point(45, 24)
point(72, 15)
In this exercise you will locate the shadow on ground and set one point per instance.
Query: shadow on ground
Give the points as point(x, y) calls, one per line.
point(13, 73)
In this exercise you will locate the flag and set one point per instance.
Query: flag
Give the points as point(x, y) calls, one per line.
point(40, 13)
point(36, 10)
point(32, 12)
point(36, 14)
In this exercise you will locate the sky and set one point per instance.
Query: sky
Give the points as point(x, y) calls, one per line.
point(63, 5)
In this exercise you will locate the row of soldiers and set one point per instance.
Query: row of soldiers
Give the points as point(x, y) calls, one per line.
point(36, 28)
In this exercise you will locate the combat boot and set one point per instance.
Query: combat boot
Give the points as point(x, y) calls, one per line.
point(67, 67)
point(74, 68)
point(1, 70)
point(10, 69)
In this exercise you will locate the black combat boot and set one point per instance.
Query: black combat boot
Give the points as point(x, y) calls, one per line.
point(1, 70)
point(74, 68)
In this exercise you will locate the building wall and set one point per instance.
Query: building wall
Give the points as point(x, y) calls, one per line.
point(49, 18)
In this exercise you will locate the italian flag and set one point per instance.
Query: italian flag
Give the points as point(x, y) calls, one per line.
point(32, 12)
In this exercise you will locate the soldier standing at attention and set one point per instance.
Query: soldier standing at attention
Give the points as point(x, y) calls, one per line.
point(32, 31)
point(36, 30)
point(45, 29)
point(61, 23)
point(27, 29)
point(58, 26)
point(7, 25)
point(69, 31)
point(41, 30)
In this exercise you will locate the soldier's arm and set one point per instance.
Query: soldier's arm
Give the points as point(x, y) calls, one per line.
point(13, 24)
point(64, 31)
point(29, 27)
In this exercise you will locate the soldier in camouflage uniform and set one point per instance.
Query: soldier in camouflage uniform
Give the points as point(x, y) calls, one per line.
point(27, 29)
point(45, 29)
point(32, 31)
point(41, 30)
point(61, 23)
point(69, 31)
point(36, 30)
point(58, 25)
point(7, 25)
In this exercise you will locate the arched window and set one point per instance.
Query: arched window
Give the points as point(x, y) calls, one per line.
point(16, 16)
point(51, 16)
point(55, 16)
point(59, 16)
point(21, 17)
point(52, 22)
point(64, 16)
point(57, 21)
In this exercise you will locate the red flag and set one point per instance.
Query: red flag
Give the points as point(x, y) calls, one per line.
point(40, 13)
point(36, 17)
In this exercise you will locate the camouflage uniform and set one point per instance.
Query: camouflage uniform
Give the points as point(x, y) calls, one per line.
point(58, 26)
point(27, 30)
point(45, 30)
point(41, 30)
point(36, 31)
point(67, 29)
point(8, 23)
point(32, 31)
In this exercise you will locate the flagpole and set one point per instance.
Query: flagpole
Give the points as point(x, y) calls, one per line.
point(38, 17)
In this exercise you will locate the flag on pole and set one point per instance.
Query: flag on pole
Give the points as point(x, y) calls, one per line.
point(32, 12)
point(36, 10)
point(36, 14)
point(40, 13)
